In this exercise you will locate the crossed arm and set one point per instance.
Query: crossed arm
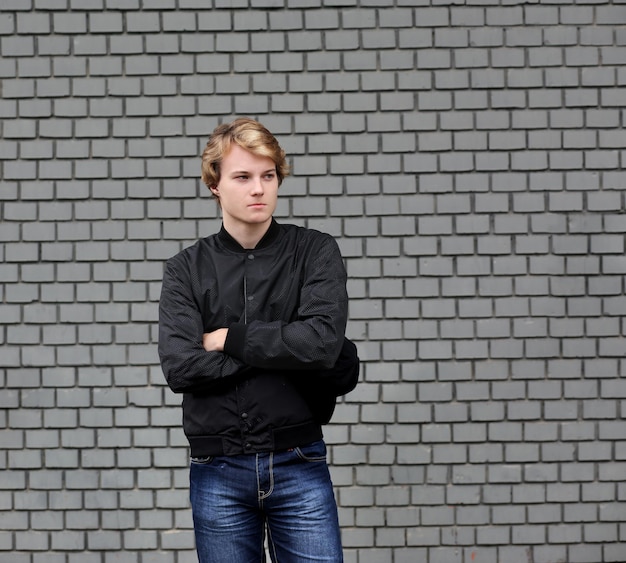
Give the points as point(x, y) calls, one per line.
point(214, 341)
point(192, 358)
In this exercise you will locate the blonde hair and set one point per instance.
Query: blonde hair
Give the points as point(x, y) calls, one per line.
point(249, 135)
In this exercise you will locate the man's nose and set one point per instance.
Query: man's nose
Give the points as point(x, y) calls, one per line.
point(257, 186)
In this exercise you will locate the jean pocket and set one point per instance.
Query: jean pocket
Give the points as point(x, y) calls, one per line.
point(203, 460)
point(313, 452)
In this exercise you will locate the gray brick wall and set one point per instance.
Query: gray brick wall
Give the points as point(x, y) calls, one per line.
point(468, 156)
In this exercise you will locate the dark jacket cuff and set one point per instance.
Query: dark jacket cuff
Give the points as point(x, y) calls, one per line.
point(235, 340)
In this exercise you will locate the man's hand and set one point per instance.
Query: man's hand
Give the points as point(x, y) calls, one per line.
point(214, 341)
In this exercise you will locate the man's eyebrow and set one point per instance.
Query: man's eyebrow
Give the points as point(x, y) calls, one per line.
point(247, 172)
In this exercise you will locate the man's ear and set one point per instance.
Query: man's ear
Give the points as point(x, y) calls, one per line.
point(214, 190)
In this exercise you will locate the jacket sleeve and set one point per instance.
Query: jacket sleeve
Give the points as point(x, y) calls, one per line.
point(187, 366)
point(315, 338)
point(344, 375)
point(321, 388)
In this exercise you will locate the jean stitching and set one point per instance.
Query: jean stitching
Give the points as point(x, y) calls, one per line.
point(202, 460)
point(304, 457)
point(258, 480)
point(263, 495)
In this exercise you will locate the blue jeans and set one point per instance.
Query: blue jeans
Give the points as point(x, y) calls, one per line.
point(289, 493)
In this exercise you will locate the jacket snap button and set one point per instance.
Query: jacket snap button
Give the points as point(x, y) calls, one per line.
point(244, 415)
point(250, 256)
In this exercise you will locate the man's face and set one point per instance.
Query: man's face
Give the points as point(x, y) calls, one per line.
point(247, 190)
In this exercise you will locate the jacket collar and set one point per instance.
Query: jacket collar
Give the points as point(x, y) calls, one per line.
point(231, 244)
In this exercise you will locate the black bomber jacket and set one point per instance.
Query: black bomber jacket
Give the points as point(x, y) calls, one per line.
point(285, 305)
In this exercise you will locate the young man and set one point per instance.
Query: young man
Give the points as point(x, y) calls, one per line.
point(251, 330)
